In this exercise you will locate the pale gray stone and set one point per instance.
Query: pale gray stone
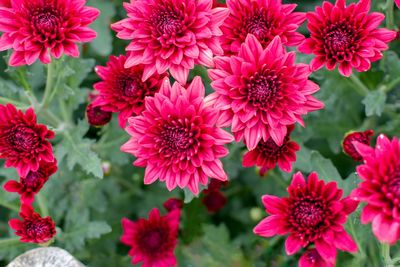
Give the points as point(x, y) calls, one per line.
point(45, 257)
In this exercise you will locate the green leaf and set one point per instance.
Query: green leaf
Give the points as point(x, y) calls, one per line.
point(77, 151)
point(324, 167)
point(214, 249)
point(75, 239)
point(102, 45)
point(374, 103)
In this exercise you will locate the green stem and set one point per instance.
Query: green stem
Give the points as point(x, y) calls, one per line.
point(391, 85)
point(359, 86)
point(389, 14)
point(7, 242)
point(5, 100)
point(51, 68)
point(44, 211)
point(387, 260)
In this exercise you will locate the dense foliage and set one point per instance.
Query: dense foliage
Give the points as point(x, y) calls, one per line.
point(96, 184)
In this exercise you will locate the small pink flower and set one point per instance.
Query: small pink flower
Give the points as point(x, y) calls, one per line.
point(122, 89)
point(173, 204)
point(346, 36)
point(314, 213)
point(23, 142)
point(33, 228)
point(175, 138)
point(152, 241)
point(262, 91)
point(397, 2)
point(96, 116)
point(171, 35)
point(37, 29)
point(380, 187)
point(311, 258)
point(350, 138)
point(30, 185)
point(265, 19)
point(268, 154)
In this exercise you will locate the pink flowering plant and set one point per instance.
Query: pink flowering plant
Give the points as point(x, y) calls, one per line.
point(164, 133)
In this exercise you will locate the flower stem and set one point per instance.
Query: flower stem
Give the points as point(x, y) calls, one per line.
point(44, 211)
point(51, 67)
point(387, 260)
point(389, 14)
point(5, 100)
point(359, 86)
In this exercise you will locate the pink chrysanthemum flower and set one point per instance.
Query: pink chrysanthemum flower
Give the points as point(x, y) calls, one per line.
point(267, 154)
point(122, 90)
point(37, 29)
point(314, 213)
point(350, 138)
point(265, 19)
point(345, 35)
point(5, 3)
point(262, 91)
point(175, 138)
point(397, 2)
point(152, 241)
point(33, 228)
point(30, 185)
point(311, 258)
point(23, 142)
point(171, 35)
point(380, 187)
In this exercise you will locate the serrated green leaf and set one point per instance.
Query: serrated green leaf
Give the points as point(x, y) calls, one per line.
point(75, 239)
point(77, 151)
point(374, 103)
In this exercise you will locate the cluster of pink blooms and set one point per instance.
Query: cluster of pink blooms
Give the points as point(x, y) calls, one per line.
point(25, 146)
point(176, 131)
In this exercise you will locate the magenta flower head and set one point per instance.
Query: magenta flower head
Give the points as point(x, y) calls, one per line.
point(122, 89)
point(37, 29)
point(314, 213)
point(33, 228)
point(265, 19)
point(380, 187)
point(175, 138)
point(96, 116)
point(261, 91)
point(267, 154)
point(311, 258)
point(23, 142)
point(350, 138)
point(346, 36)
point(152, 241)
point(171, 35)
point(30, 185)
